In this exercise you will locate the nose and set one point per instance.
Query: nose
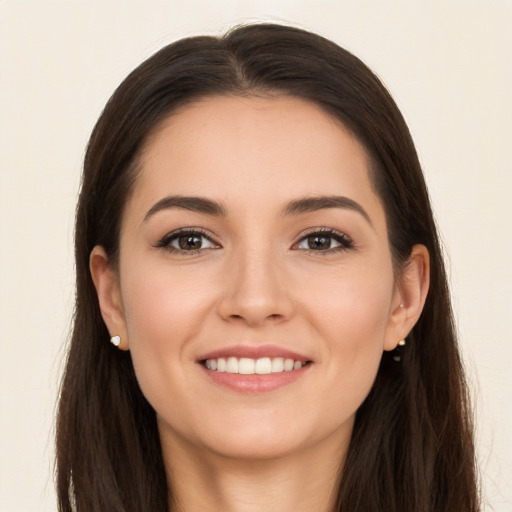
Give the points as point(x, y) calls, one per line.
point(255, 290)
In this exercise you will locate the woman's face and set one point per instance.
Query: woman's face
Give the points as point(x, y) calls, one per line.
point(254, 237)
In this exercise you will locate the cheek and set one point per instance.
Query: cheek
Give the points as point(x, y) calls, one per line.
point(163, 312)
point(162, 307)
point(353, 305)
point(351, 315)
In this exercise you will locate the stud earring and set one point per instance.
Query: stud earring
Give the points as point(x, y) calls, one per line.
point(115, 340)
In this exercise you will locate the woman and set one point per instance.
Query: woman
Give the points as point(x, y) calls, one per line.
point(255, 237)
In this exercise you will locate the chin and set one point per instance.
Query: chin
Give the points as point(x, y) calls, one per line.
point(260, 436)
point(255, 446)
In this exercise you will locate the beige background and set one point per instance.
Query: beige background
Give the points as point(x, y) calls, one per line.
point(449, 66)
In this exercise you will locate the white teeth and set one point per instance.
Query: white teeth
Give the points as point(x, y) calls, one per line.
point(263, 366)
point(277, 364)
point(221, 364)
point(232, 365)
point(288, 365)
point(248, 366)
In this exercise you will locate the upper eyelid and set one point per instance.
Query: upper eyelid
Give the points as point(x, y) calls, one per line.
point(164, 240)
point(323, 230)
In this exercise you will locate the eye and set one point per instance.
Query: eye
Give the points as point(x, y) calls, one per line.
point(189, 240)
point(325, 240)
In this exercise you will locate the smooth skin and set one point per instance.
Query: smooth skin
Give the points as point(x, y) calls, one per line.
point(316, 280)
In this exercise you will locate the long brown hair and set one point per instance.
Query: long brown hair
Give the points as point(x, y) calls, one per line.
point(412, 444)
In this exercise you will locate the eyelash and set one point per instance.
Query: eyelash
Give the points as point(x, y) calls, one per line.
point(345, 242)
point(166, 241)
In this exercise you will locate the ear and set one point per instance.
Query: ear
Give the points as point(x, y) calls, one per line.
point(106, 282)
point(409, 297)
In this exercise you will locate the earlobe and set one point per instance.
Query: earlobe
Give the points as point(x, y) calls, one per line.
point(412, 290)
point(106, 282)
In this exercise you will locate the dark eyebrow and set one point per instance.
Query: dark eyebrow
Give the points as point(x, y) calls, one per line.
point(312, 204)
point(196, 204)
point(296, 207)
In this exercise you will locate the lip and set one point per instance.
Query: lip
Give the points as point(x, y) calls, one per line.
point(254, 352)
point(256, 383)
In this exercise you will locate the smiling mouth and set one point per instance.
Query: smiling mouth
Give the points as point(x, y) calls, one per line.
point(248, 366)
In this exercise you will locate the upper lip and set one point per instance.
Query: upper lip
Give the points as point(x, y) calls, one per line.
point(254, 352)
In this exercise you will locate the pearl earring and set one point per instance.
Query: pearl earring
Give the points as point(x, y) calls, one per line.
point(115, 340)
point(396, 353)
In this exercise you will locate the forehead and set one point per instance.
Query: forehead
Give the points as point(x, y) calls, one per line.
point(256, 151)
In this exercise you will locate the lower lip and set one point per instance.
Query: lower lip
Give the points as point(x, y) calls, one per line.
point(255, 383)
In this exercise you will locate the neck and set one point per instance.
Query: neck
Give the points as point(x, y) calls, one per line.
point(300, 482)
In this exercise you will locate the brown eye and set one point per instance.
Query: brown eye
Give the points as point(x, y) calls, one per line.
point(189, 242)
point(317, 242)
point(325, 241)
point(186, 242)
